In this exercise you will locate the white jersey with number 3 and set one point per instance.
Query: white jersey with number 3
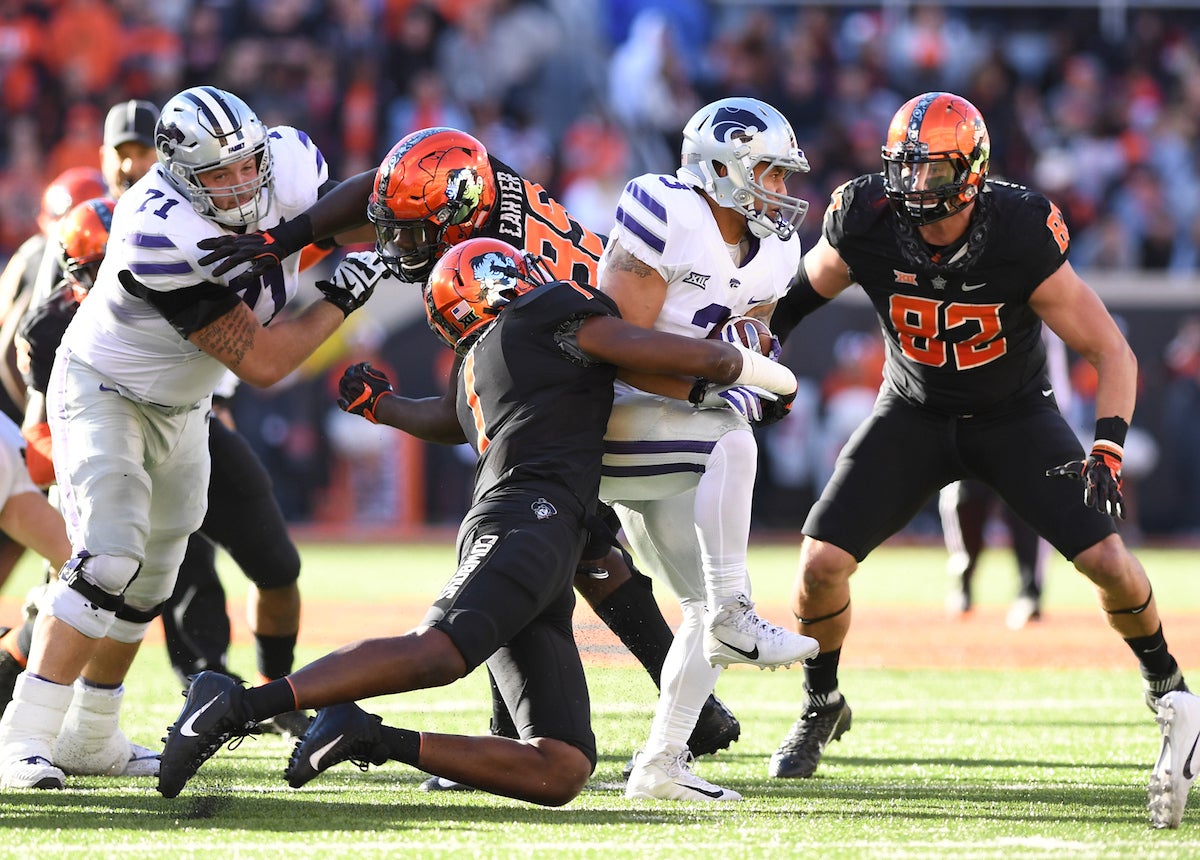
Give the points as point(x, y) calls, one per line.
point(153, 239)
point(669, 227)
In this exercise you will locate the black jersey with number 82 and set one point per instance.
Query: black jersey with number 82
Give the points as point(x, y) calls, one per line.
point(961, 337)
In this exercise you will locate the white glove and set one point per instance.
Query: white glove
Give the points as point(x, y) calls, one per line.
point(745, 400)
point(353, 281)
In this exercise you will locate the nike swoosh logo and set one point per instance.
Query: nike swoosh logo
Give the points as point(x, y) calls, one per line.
point(1046, 392)
point(104, 387)
point(315, 758)
point(968, 287)
point(749, 655)
point(1188, 773)
point(720, 792)
point(187, 729)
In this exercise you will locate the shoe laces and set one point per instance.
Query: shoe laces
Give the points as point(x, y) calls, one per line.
point(744, 619)
point(681, 764)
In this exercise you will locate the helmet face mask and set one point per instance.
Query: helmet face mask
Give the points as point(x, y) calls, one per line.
point(203, 129)
point(729, 146)
point(471, 283)
point(936, 157)
point(432, 191)
point(82, 240)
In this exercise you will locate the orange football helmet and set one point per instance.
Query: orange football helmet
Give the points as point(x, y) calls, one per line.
point(936, 157)
point(470, 284)
point(82, 238)
point(431, 192)
point(72, 186)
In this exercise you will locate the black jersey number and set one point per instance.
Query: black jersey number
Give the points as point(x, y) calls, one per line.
point(921, 326)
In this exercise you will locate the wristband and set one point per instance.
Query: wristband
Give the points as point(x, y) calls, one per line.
point(761, 371)
point(1112, 430)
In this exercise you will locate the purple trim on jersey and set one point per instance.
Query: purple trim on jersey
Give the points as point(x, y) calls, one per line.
point(675, 445)
point(631, 224)
point(150, 240)
point(641, 195)
point(160, 268)
point(647, 471)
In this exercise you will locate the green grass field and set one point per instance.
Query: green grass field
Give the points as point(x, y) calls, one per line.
point(964, 762)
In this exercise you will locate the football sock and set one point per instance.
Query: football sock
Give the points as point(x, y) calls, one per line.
point(275, 654)
point(632, 613)
point(402, 744)
point(271, 699)
point(689, 680)
point(1153, 655)
point(821, 672)
point(722, 511)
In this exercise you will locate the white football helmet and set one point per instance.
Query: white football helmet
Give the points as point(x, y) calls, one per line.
point(738, 134)
point(202, 128)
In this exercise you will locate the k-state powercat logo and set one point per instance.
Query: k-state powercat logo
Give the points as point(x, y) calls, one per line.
point(730, 122)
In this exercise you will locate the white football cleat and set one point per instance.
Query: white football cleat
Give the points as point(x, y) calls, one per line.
point(737, 635)
point(26, 764)
point(1178, 759)
point(668, 776)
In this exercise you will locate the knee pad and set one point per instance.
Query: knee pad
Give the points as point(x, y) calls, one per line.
point(73, 608)
point(130, 624)
point(107, 573)
point(88, 592)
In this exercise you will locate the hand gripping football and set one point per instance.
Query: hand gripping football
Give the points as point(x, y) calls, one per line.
point(749, 332)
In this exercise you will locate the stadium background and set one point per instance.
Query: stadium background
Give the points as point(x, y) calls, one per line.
point(1095, 103)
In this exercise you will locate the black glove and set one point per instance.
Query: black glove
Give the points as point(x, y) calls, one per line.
point(776, 410)
point(263, 250)
point(361, 388)
point(353, 281)
point(1101, 476)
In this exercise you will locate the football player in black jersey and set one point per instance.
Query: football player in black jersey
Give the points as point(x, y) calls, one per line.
point(962, 272)
point(435, 188)
point(535, 392)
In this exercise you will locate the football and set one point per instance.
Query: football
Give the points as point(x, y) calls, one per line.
point(750, 332)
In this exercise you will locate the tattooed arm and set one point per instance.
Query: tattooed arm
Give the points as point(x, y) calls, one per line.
point(639, 292)
point(262, 356)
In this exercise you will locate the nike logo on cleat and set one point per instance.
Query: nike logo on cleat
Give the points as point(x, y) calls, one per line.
point(315, 758)
point(720, 792)
point(749, 655)
point(1188, 773)
point(188, 728)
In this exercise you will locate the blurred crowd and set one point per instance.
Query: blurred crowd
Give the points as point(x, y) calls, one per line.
point(581, 94)
point(1100, 111)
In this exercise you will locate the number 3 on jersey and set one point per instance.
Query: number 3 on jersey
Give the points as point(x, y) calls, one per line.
point(921, 325)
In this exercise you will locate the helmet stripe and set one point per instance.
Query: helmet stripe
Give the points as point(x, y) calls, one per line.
point(919, 112)
point(215, 109)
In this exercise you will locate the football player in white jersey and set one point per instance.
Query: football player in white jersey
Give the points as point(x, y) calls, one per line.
point(130, 393)
point(687, 252)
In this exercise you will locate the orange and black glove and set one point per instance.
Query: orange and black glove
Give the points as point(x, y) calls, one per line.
point(361, 388)
point(263, 250)
point(1101, 471)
